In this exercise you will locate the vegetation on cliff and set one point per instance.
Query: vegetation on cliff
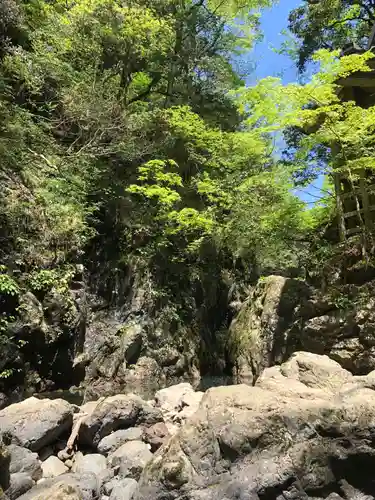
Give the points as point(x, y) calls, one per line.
point(129, 140)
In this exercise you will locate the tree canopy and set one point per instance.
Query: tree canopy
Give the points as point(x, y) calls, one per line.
point(331, 25)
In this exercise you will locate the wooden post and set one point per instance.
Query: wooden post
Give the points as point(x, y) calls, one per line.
point(365, 200)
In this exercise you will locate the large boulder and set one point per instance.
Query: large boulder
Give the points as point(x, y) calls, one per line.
point(170, 398)
point(112, 442)
point(307, 434)
point(92, 463)
point(53, 467)
point(318, 372)
point(59, 491)
point(176, 403)
point(116, 412)
point(66, 487)
point(257, 333)
point(23, 460)
point(35, 423)
point(131, 458)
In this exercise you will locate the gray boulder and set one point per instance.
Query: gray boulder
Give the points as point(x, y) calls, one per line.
point(35, 423)
point(95, 464)
point(20, 482)
point(131, 458)
point(112, 442)
point(114, 413)
point(300, 436)
point(24, 460)
point(170, 398)
point(66, 487)
point(53, 467)
point(318, 372)
point(58, 491)
point(125, 489)
point(108, 486)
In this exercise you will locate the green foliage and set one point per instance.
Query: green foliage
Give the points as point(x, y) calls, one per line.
point(316, 110)
point(330, 24)
point(8, 289)
point(126, 136)
point(268, 220)
point(8, 285)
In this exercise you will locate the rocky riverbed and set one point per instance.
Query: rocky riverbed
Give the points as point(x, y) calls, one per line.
point(306, 430)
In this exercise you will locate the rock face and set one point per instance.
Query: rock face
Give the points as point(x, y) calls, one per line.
point(35, 423)
point(305, 431)
point(346, 335)
point(283, 315)
point(127, 353)
point(257, 334)
point(52, 325)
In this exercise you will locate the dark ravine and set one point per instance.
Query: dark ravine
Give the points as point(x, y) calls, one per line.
point(92, 345)
point(99, 342)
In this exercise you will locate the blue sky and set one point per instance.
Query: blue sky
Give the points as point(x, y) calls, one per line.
point(268, 63)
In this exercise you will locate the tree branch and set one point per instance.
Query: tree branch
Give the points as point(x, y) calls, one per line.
point(148, 91)
point(342, 21)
